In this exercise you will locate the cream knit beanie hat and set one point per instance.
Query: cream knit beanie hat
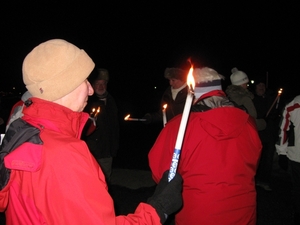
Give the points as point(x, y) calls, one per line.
point(238, 77)
point(55, 68)
point(206, 80)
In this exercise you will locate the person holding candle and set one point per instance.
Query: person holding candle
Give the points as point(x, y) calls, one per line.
point(219, 157)
point(48, 175)
point(238, 93)
point(174, 97)
point(288, 148)
point(263, 99)
point(103, 142)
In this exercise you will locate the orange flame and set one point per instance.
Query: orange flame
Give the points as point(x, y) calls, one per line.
point(93, 110)
point(126, 117)
point(97, 112)
point(280, 91)
point(190, 79)
point(165, 106)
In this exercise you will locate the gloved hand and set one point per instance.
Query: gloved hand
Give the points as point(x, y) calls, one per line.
point(283, 162)
point(167, 197)
point(148, 118)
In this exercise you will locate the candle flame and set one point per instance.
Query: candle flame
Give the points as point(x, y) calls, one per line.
point(126, 117)
point(190, 79)
point(165, 106)
point(280, 91)
point(97, 112)
point(92, 112)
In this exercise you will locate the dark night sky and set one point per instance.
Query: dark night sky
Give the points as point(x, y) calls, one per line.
point(137, 41)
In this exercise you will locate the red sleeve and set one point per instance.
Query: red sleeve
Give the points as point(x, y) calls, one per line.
point(144, 214)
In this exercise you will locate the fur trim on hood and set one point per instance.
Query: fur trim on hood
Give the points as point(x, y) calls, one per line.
point(234, 90)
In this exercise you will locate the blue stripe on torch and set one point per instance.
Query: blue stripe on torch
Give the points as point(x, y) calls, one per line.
point(174, 164)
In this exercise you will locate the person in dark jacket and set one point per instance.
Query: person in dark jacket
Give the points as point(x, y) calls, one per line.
point(174, 97)
point(104, 141)
point(263, 99)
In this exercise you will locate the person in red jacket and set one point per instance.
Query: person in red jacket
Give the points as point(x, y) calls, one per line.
point(47, 174)
point(218, 159)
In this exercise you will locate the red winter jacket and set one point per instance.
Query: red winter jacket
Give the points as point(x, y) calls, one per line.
point(218, 163)
point(59, 181)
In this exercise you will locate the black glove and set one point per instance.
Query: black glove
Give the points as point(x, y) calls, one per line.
point(167, 197)
point(148, 118)
point(283, 162)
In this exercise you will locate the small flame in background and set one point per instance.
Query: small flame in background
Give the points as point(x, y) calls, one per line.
point(97, 112)
point(165, 106)
point(126, 117)
point(93, 110)
point(280, 91)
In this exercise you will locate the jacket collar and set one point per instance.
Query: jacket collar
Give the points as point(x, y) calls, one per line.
point(49, 115)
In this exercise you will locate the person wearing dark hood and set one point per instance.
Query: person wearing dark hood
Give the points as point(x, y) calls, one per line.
point(218, 160)
point(238, 92)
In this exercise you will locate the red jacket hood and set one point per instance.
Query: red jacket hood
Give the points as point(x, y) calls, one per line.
point(218, 122)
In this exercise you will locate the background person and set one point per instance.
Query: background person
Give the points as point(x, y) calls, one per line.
point(262, 101)
point(288, 145)
point(104, 141)
point(174, 96)
point(48, 175)
point(238, 92)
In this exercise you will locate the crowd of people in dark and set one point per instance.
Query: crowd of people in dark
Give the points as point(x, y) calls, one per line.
point(62, 136)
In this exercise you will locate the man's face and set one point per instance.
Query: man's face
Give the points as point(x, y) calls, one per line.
point(100, 87)
point(77, 99)
point(175, 83)
point(260, 89)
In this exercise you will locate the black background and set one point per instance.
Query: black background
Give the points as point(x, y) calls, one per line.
point(137, 40)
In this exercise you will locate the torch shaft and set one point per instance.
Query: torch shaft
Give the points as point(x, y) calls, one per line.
point(180, 136)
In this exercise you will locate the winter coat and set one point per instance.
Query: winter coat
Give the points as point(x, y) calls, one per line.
point(262, 105)
point(243, 97)
point(218, 162)
point(289, 136)
point(104, 141)
point(53, 178)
